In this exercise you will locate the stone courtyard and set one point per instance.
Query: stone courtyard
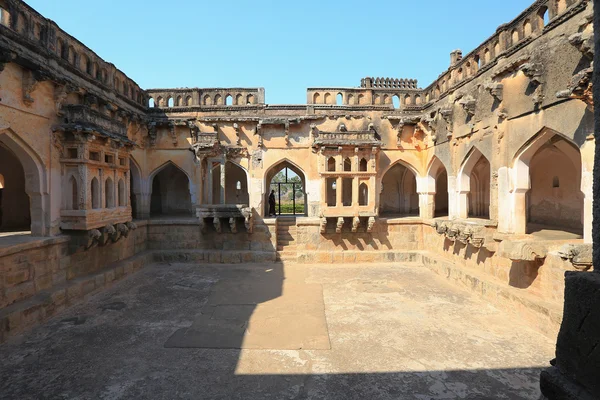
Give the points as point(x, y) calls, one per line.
point(278, 331)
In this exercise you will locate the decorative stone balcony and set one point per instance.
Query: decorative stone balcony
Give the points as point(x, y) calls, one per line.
point(220, 215)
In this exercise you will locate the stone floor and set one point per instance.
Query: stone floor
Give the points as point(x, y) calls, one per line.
point(180, 331)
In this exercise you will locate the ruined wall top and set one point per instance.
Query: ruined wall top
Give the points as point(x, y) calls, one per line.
point(25, 35)
point(388, 83)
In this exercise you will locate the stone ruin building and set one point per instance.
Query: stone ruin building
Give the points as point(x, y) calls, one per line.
point(483, 176)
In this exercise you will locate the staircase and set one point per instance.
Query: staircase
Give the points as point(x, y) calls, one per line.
point(286, 239)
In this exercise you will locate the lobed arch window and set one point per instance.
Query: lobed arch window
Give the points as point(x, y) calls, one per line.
point(188, 101)
point(327, 98)
point(339, 99)
point(250, 99)
point(316, 98)
point(218, 100)
point(207, 100)
point(151, 102)
point(362, 166)
point(363, 194)
point(170, 102)
point(179, 101)
point(347, 164)
point(239, 100)
point(228, 100)
point(515, 36)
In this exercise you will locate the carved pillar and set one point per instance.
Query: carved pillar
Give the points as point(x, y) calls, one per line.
point(355, 191)
point(222, 183)
point(338, 192)
point(209, 184)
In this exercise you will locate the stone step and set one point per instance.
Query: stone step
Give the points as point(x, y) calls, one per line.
point(286, 255)
point(283, 222)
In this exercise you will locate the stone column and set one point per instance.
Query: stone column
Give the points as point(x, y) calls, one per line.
point(338, 192)
point(209, 183)
point(355, 191)
point(452, 198)
point(222, 183)
point(426, 205)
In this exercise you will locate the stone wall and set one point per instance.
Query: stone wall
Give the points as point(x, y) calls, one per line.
point(40, 277)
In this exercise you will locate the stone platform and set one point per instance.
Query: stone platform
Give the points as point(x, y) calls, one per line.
point(278, 331)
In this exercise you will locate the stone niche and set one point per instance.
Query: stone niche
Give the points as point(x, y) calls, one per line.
point(94, 158)
point(348, 162)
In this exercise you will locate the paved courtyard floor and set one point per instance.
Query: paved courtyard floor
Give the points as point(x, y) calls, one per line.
point(274, 331)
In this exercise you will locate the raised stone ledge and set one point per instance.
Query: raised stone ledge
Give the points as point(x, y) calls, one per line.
point(46, 304)
point(18, 243)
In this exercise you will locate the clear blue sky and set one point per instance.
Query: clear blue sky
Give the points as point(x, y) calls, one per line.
point(284, 46)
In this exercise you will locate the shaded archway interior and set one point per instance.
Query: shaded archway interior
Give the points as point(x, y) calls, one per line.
point(170, 193)
point(399, 192)
point(554, 200)
point(235, 180)
point(14, 202)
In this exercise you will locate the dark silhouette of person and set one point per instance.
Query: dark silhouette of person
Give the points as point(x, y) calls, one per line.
point(272, 203)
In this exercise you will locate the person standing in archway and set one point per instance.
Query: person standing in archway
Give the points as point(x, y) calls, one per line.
point(272, 203)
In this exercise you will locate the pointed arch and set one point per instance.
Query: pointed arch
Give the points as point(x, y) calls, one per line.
point(474, 199)
point(363, 194)
point(543, 161)
point(170, 194)
point(35, 181)
point(273, 170)
point(399, 190)
point(331, 164)
point(135, 189)
point(437, 183)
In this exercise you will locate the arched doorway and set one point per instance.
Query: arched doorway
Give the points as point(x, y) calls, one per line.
point(399, 192)
point(287, 182)
point(554, 200)
point(474, 186)
point(14, 201)
point(437, 180)
point(135, 191)
point(170, 192)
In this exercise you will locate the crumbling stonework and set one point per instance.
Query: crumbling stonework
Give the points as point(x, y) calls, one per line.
point(483, 175)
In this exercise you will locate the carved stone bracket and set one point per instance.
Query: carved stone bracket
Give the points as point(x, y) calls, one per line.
point(580, 255)
point(323, 225)
point(469, 104)
point(152, 135)
point(447, 113)
point(524, 250)
point(462, 233)
point(535, 72)
point(495, 89)
point(258, 132)
point(217, 224)
point(355, 224)
point(60, 95)
point(93, 238)
point(370, 224)
point(238, 140)
point(233, 225)
point(249, 222)
point(581, 87)
point(287, 132)
point(173, 133)
point(584, 42)
point(339, 225)
point(29, 83)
